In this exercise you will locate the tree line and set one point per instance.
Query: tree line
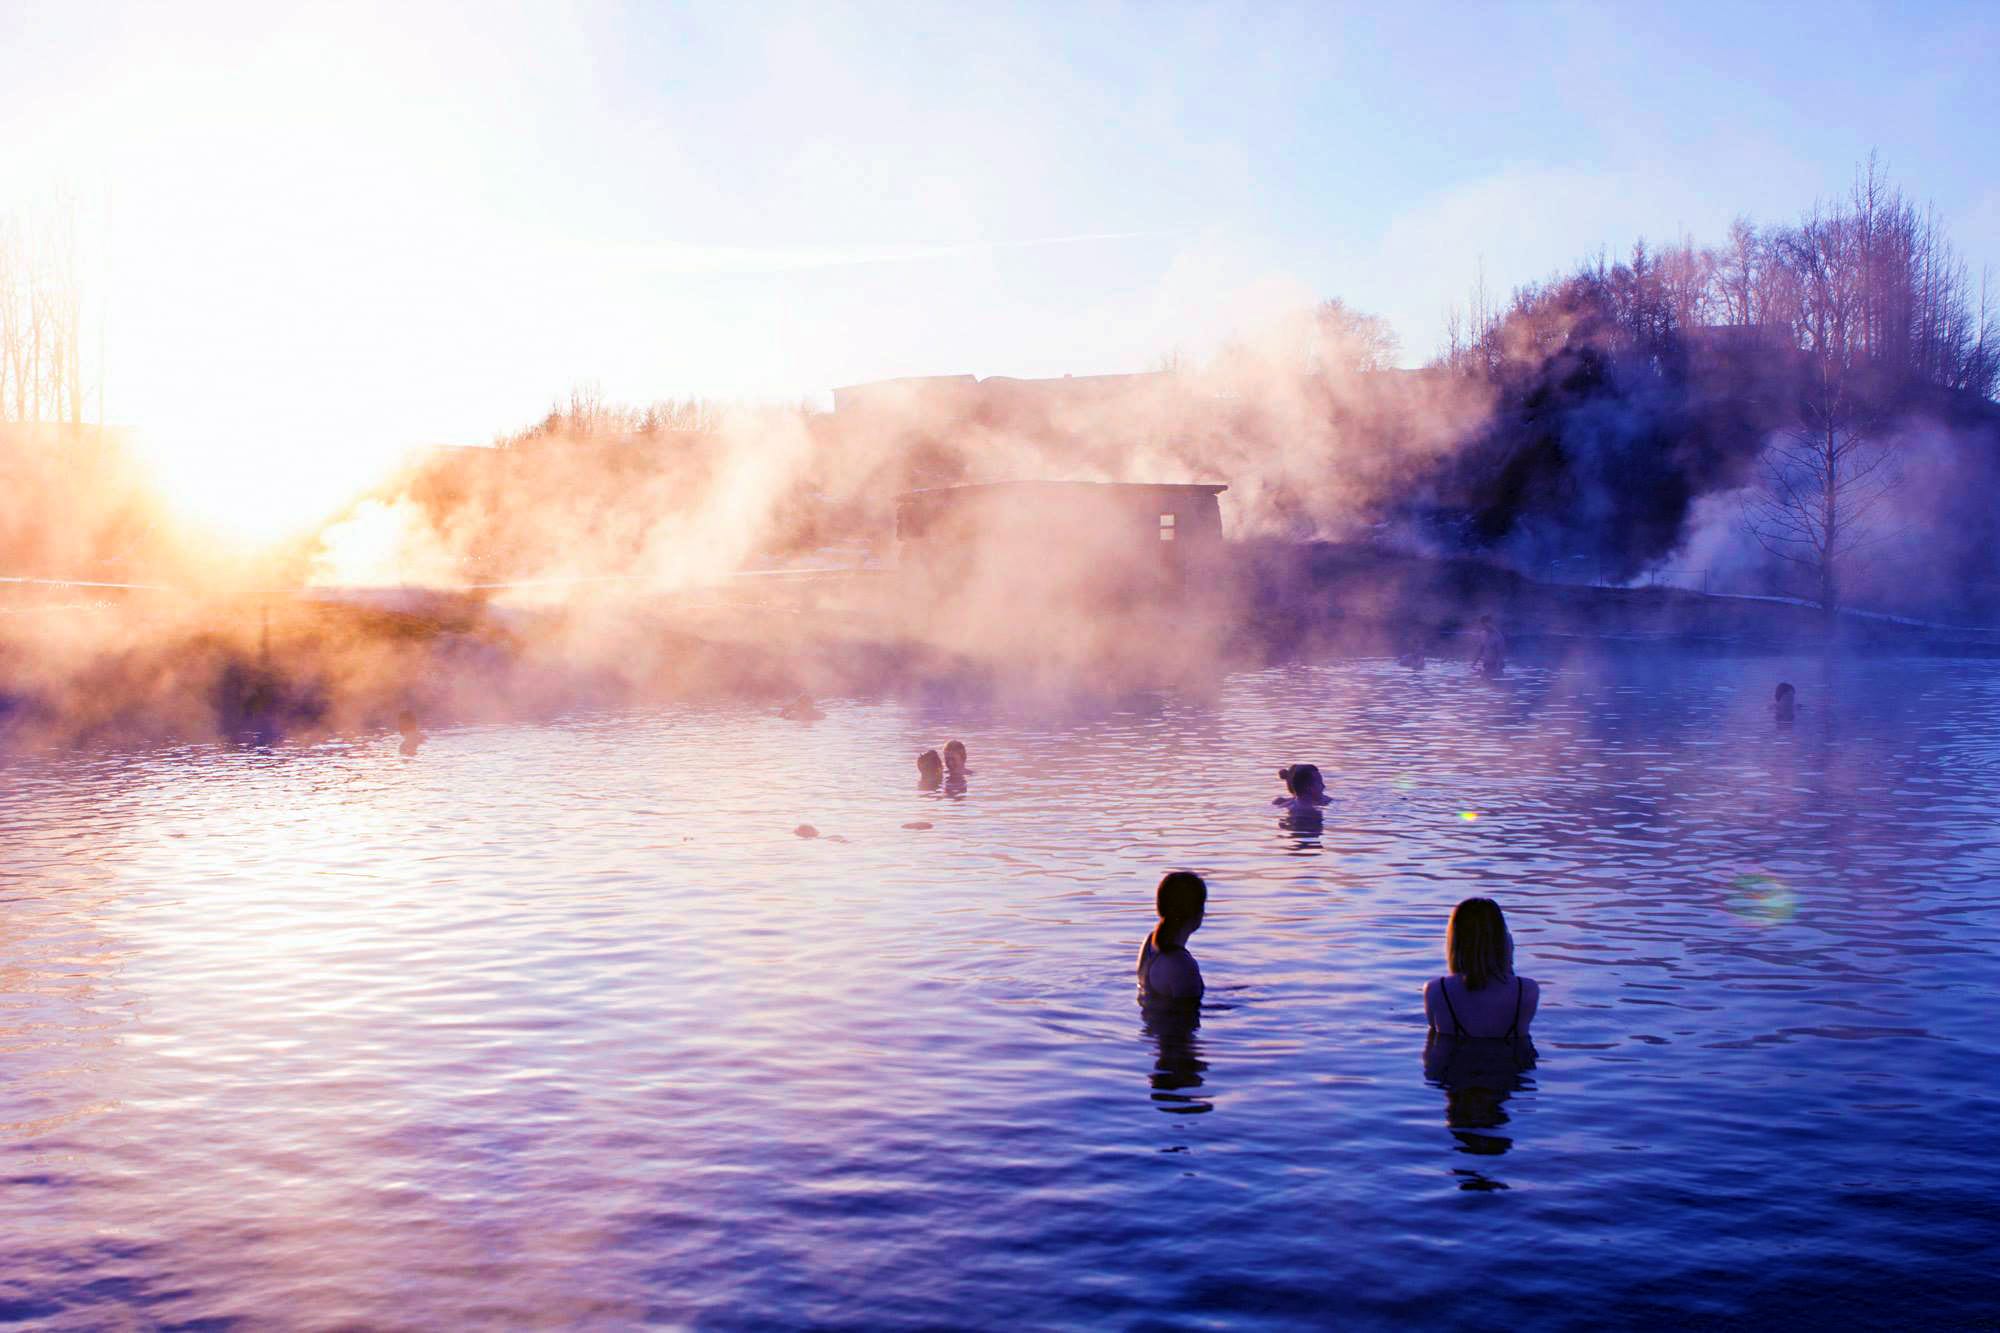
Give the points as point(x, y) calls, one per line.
point(1783, 364)
point(1869, 282)
point(43, 376)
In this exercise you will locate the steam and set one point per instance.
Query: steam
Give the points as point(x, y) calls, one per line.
point(1311, 445)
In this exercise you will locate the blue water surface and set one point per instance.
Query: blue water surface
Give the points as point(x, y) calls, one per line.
point(567, 1024)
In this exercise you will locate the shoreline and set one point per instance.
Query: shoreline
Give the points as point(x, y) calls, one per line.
point(313, 664)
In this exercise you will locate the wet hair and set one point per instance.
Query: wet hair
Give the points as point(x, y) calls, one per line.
point(929, 767)
point(1181, 897)
point(1784, 691)
point(955, 747)
point(1300, 778)
point(1477, 945)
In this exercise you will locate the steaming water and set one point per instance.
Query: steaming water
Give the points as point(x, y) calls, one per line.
point(564, 1024)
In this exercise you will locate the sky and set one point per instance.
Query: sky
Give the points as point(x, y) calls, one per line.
point(325, 233)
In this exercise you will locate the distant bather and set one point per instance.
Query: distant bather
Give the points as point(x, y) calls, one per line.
point(801, 709)
point(413, 735)
point(1489, 656)
point(1308, 792)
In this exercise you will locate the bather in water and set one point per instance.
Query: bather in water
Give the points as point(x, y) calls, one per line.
point(1412, 654)
point(801, 709)
point(1167, 971)
point(413, 735)
point(1785, 702)
point(1308, 793)
point(1489, 655)
point(1480, 997)
point(954, 766)
point(930, 771)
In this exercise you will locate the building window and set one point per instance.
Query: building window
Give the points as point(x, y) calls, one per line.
point(1166, 527)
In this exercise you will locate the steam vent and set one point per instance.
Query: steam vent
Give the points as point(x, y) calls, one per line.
point(1074, 539)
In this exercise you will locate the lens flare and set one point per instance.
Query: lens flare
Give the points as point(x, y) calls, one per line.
point(1468, 815)
point(1761, 899)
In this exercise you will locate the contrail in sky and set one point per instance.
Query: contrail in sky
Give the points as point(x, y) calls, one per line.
point(680, 257)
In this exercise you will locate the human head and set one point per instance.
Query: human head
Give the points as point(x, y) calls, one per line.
point(1784, 692)
point(1181, 899)
point(930, 768)
point(1303, 779)
point(954, 756)
point(1476, 943)
point(406, 722)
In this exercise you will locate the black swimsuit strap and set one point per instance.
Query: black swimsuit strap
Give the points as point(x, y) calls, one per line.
point(1458, 1025)
point(1458, 1028)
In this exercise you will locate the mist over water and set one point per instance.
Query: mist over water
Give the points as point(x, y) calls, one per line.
point(307, 1024)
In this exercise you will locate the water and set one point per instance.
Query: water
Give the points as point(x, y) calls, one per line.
point(564, 1024)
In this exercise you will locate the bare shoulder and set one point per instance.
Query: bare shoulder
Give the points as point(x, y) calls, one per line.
point(1531, 997)
point(1175, 976)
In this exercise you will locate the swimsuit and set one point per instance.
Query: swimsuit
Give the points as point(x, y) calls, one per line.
point(1458, 1027)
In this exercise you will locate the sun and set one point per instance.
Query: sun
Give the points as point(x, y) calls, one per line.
point(246, 491)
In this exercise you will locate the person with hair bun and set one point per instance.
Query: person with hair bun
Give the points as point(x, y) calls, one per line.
point(1308, 791)
point(1167, 971)
point(1480, 996)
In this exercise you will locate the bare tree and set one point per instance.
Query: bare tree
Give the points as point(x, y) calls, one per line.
point(1472, 331)
point(1345, 339)
point(41, 315)
point(1818, 502)
point(1824, 480)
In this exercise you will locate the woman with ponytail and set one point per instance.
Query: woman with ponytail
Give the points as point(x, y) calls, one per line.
point(1167, 971)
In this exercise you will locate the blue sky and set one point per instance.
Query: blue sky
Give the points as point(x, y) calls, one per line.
point(405, 223)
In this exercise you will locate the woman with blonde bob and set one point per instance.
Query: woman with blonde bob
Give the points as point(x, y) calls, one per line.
point(1476, 999)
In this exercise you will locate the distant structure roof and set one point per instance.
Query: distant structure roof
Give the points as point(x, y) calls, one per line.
point(969, 392)
point(985, 488)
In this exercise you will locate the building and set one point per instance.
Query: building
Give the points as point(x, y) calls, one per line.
point(1073, 539)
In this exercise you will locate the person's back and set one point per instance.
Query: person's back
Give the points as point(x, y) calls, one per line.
point(1499, 1009)
point(1480, 997)
point(1166, 970)
point(1170, 973)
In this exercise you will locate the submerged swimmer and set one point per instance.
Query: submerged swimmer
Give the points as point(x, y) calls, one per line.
point(930, 771)
point(413, 735)
point(801, 709)
point(1785, 703)
point(1307, 788)
point(1167, 971)
point(1474, 999)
